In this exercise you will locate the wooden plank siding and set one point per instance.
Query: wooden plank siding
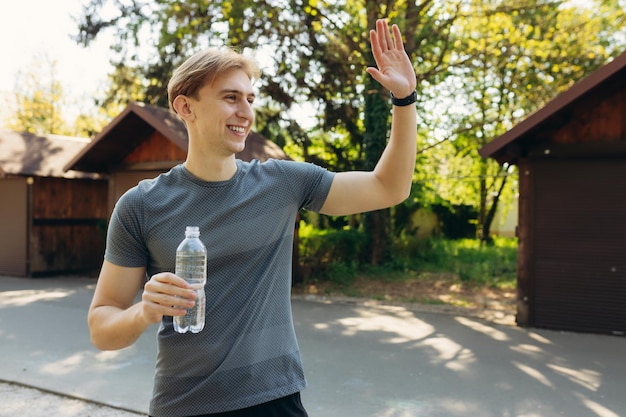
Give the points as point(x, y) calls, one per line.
point(572, 186)
point(157, 148)
point(524, 245)
point(600, 118)
point(153, 156)
point(579, 262)
point(13, 236)
point(68, 225)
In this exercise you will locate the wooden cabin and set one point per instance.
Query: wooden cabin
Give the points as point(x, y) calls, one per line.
point(571, 156)
point(53, 221)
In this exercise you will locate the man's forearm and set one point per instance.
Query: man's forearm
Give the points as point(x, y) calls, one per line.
point(112, 328)
point(397, 163)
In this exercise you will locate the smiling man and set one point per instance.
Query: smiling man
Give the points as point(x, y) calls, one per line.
point(246, 361)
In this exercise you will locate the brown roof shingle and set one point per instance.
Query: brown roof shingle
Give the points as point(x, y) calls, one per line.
point(23, 153)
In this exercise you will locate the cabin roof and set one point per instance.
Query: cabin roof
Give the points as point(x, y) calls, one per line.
point(28, 154)
point(503, 148)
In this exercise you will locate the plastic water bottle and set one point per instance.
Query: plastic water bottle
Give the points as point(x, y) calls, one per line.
point(191, 266)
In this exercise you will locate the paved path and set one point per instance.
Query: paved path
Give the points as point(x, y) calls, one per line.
point(18, 400)
point(361, 361)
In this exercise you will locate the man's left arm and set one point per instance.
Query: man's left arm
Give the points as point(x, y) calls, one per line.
point(390, 181)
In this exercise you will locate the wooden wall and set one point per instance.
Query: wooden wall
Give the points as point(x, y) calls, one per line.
point(13, 226)
point(68, 229)
point(572, 182)
point(157, 148)
point(600, 118)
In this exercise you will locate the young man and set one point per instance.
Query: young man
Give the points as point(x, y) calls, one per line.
point(246, 361)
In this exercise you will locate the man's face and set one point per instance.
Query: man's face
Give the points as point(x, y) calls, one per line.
point(224, 113)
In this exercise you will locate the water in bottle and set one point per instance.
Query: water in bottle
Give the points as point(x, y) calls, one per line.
point(191, 266)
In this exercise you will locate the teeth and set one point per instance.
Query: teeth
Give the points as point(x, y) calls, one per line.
point(237, 129)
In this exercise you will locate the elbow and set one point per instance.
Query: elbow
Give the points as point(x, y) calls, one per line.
point(392, 197)
point(108, 331)
point(96, 341)
point(406, 194)
point(97, 336)
point(401, 195)
point(102, 343)
point(98, 344)
point(399, 200)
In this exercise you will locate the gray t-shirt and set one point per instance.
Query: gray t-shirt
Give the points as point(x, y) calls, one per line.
point(247, 353)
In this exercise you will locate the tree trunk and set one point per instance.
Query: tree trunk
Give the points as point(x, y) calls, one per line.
point(486, 226)
point(377, 226)
point(377, 113)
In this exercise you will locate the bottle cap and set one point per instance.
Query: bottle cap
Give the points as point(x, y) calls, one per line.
point(192, 231)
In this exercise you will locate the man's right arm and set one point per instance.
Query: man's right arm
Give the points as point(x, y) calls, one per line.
point(116, 321)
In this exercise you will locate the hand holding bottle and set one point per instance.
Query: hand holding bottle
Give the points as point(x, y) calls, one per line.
point(166, 294)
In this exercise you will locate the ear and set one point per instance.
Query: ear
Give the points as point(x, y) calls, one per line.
point(183, 108)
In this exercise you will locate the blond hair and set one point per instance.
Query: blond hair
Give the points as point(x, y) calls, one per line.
point(203, 68)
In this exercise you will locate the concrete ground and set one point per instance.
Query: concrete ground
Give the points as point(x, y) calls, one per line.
point(19, 400)
point(360, 360)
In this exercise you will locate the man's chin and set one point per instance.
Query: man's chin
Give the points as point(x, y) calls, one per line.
point(237, 147)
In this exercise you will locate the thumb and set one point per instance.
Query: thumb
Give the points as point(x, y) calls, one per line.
point(376, 74)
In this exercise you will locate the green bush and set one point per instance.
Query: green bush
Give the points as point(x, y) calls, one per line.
point(333, 255)
point(471, 260)
point(342, 274)
point(330, 251)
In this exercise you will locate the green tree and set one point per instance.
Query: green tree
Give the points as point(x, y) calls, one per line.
point(314, 51)
point(515, 57)
point(481, 66)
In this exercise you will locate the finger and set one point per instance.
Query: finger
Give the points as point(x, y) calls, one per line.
point(397, 37)
point(166, 294)
point(384, 36)
point(376, 74)
point(374, 43)
point(158, 305)
point(170, 279)
point(168, 289)
point(155, 311)
point(184, 300)
point(173, 311)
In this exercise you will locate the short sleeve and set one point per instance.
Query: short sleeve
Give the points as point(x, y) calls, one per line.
point(125, 245)
point(311, 183)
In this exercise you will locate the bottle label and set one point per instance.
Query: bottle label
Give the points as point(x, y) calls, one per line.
point(191, 267)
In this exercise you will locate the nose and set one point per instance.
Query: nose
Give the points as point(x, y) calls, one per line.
point(245, 110)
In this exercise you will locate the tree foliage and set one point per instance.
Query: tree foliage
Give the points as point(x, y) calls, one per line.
point(40, 105)
point(481, 66)
point(39, 101)
point(314, 51)
point(514, 57)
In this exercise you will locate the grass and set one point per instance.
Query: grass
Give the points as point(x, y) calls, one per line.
point(431, 272)
point(492, 265)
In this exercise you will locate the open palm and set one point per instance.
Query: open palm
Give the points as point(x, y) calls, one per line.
point(393, 70)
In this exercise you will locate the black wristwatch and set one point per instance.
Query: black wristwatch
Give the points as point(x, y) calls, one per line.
point(410, 99)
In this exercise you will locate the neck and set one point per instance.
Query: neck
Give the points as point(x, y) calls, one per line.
point(212, 169)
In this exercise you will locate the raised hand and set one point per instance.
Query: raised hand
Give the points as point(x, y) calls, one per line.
point(393, 67)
